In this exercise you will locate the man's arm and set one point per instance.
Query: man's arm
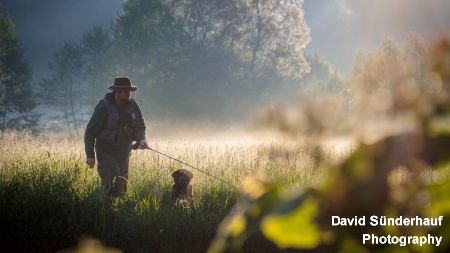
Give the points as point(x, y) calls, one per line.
point(140, 125)
point(140, 129)
point(93, 127)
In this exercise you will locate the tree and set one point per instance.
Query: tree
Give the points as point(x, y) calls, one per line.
point(176, 67)
point(260, 32)
point(322, 78)
point(147, 38)
point(225, 54)
point(97, 68)
point(270, 33)
point(402, 73)
point(63, 88)
point(17, 96)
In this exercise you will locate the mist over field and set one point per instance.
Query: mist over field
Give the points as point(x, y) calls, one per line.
point(214, 90)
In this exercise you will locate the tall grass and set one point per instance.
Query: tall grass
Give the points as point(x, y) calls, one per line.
point(50, 199)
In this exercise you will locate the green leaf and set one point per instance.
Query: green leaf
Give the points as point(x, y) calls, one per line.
point(237, 225)
point(440, 204)
point(295, 229)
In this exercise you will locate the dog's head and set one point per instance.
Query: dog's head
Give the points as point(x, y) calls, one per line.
point(182, 177)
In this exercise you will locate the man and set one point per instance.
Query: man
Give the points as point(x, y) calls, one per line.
point(117, 122)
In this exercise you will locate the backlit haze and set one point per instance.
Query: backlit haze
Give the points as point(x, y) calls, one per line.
point(338, 30)
point(338, 27)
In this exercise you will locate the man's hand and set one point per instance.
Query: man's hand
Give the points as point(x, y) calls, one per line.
point(90, 161)
point(143, 144)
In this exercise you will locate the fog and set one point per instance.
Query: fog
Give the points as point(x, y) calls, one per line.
point(338, 28)
point(341, 27)
point(186, 87)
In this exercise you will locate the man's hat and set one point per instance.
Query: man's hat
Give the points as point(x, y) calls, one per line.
point(122, 83)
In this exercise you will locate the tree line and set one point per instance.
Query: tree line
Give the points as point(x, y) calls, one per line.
point(190, 59)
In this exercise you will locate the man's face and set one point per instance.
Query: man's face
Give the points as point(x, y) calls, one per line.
point(123, 95)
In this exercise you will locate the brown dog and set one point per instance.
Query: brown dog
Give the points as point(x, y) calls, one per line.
point(182, 189)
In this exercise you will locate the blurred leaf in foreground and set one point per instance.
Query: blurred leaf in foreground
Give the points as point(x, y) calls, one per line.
point(88, 245)
point(360, 186)
point(283, 229)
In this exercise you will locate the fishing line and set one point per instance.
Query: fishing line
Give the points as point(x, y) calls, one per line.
point(204, 172)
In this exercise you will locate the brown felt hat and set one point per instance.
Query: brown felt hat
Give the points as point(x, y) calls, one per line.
point(122, 83)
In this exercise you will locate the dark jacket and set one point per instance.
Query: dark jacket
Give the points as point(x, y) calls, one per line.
point(113, 127)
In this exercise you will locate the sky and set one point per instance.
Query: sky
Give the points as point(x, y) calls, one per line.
point(341, 27)
point(338, 27)
point(43, 26)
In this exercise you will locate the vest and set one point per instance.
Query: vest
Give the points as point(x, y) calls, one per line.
point(115, 126)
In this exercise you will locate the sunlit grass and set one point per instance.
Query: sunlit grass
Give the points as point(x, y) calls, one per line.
point(51, 198)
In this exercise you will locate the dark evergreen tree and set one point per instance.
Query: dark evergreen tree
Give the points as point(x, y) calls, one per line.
point(17, 98)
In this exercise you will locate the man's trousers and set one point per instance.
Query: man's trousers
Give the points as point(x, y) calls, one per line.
point(113, 171)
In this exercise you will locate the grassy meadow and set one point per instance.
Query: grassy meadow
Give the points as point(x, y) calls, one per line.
point(50, 198)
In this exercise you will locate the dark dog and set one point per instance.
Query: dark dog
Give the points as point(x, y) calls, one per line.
point(182, 189)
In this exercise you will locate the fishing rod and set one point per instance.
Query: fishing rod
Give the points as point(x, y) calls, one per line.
point(136, 146)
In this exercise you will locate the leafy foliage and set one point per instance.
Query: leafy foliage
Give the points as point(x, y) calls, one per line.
point(362, 184)
point(191, 59)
